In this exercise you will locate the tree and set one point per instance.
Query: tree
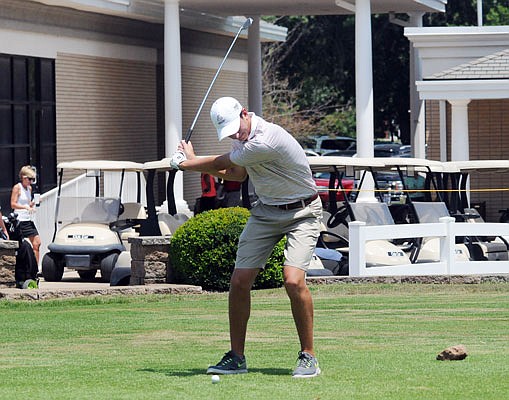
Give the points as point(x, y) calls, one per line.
point(309, 80)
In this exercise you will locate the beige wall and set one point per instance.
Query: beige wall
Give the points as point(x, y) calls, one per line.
point(488, 122)
point(106, 108)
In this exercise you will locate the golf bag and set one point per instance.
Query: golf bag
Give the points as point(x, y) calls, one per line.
point(26, 269)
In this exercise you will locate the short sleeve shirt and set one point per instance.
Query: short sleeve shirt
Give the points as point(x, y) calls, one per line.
point(275, 162)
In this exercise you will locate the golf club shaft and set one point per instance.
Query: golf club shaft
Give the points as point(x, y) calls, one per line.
point(246, 25)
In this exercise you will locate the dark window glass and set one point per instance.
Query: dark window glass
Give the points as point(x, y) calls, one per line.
point(27, 122)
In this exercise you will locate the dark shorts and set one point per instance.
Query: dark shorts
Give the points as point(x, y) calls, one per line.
point(28, 229)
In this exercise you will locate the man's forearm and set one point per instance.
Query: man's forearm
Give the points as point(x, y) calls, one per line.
point(199, 164)
point(219, 166)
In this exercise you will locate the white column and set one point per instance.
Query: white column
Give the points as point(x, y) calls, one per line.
point(459, 130)
point(172, 77)
point(479, 13)
point(254, 62)
point(364, 91)
point(364, 79)
point(442, 112)
point(417, 111)
point(173, 92)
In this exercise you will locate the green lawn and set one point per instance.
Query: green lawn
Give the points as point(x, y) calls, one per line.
point(373, 342)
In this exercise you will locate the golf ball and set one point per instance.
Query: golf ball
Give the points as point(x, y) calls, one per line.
point(215, 378)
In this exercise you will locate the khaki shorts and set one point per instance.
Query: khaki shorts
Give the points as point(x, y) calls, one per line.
point(267, 225)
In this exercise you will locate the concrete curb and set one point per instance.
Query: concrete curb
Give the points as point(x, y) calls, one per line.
point(69, 292)
point(436, 279)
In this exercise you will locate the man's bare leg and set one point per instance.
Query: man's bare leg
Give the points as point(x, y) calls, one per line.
point(239, 306)
point(302, 306)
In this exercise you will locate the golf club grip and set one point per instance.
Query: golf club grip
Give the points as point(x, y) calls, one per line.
point(188, 135)
point(170, 194)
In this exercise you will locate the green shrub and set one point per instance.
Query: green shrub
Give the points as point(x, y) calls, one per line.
point(203, 251)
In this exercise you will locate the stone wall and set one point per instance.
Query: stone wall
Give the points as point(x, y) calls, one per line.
point(7, 262)
point(150, 262)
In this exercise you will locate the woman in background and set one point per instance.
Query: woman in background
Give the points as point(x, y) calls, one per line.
point(23, 205)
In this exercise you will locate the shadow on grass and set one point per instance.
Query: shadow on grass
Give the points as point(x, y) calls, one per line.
point(202, 371)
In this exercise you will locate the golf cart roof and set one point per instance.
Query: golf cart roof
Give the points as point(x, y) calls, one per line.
point(163, 164)
point(417, 164)
point(327, 163)
point(104, 165)
point(409, 162)
point(479, 165)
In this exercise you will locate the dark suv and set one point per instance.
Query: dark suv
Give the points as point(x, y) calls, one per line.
point(340, 145)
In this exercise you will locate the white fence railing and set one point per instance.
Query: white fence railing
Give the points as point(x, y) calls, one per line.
point(446, 230)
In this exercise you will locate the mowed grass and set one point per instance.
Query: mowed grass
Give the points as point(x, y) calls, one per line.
point(373, 342)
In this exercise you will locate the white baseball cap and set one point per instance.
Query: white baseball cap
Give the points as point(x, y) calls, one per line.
point(225, 115)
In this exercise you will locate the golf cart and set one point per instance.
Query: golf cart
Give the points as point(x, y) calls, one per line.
point(93, 219)
point(423, 203)
point(334, 233)
point(158, 222)
point(458, 179)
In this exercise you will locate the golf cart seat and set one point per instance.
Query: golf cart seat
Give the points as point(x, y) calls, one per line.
point(372, 213)
point(431, 212)
point(129, 220)
point(100, 209)
point(133, 211)
point(490, 248)
point(168, 223)
point(378, 252)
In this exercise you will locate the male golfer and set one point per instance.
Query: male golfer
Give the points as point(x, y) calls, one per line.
point(288, 206)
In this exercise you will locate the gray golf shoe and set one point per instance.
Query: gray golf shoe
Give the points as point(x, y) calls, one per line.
point(307, 366)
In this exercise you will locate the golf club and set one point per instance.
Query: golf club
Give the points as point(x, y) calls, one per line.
point(172, 207)
point(246, 25)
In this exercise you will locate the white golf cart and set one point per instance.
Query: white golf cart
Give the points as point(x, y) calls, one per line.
point(459, 179)
point(335, 222)
point(91, 229)
point(160, 221)
point(423, 203)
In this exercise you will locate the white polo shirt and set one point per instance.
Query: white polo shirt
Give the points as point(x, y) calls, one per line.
point(275, 162)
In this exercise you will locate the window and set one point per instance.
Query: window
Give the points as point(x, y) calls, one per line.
point(27, 122)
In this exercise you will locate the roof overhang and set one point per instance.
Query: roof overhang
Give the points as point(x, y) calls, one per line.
point(457, 36)
point(153, 10)
point(441, 48)
point(479, 166)
point(306, 7)
point(463, 89)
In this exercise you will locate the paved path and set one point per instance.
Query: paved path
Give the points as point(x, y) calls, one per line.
point(72, 286)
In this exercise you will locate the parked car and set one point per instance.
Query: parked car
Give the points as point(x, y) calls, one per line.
point(310, 153)
point(344, 145)
point(391, 150)
point(391, 181)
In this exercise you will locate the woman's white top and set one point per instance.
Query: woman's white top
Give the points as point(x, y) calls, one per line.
point(25, 197)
